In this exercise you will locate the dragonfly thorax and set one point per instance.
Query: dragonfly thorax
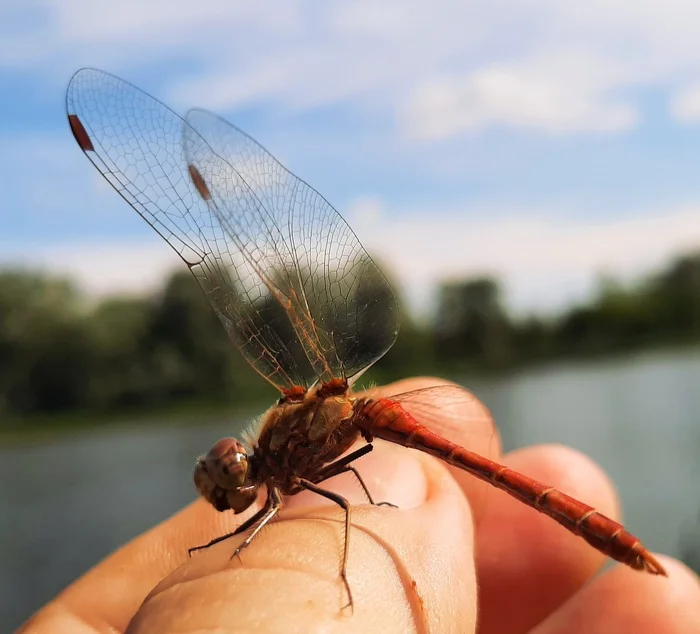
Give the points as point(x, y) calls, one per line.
point(297, 438)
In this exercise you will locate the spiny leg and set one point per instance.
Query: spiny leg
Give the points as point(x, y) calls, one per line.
point(273, 505)
point(253, 519)
point(342, 503)
point(349, 469)
point(343, 466)
point(330, 468)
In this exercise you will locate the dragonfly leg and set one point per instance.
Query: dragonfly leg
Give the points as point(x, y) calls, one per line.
point(343, 466)
point(331, 469)
point(351, 469)
point(273, 505)
point(252, 520)
point(342, 503)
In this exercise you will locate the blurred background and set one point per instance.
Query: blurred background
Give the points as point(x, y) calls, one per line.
point(526, 174)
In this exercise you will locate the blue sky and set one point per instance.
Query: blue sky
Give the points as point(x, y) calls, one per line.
point(546, 142)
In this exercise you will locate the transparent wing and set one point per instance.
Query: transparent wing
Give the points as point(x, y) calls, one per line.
point(340, 306)
point(295, 314)
point(455, 413)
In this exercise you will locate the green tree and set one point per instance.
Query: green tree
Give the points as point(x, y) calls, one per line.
point(187, 351)
point(675, 298)
point(471, 323)
point(122, 376)
point(45, 357)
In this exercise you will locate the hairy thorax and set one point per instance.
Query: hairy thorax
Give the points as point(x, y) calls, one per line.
point(296, 439)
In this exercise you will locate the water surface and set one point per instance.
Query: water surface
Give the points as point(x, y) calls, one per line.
point(66, 504)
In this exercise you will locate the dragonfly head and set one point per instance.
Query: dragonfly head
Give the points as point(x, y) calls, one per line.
point(225, 477)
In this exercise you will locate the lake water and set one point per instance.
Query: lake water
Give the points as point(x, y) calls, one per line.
point(66, 504)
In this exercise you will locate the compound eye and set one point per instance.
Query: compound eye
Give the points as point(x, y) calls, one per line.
point(227, 463)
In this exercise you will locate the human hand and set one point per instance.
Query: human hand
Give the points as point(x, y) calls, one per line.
point(410, 569)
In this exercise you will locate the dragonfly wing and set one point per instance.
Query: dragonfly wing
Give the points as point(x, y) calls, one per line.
point(135, 141)
point(340, 307)
point(454, 413)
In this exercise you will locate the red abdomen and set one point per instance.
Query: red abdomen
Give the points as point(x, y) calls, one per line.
point(385, 418)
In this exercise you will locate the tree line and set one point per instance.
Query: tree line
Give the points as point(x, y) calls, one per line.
point(61, 353)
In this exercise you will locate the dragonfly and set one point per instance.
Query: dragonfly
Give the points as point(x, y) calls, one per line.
point(304, 303)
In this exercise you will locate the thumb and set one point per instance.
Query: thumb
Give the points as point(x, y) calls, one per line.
point(409, 568)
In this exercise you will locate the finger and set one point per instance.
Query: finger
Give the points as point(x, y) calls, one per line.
point(527, 564)
point(409, 570)
point(107, 596)
point(622, 600)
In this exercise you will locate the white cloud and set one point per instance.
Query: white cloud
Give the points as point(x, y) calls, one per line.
point(685, 104)
point(539, 64)
point(545, 260)
point(367, 211)
point(564, 93)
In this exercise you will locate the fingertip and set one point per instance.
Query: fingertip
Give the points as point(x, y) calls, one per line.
point(680, 586)
point(528, 538)
point(539, 562)
point(659, 603)
point(626, 600)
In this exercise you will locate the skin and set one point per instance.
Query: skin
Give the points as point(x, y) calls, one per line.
point(410, 569)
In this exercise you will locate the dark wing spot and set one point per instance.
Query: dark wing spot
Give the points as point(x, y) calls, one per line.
point(80, 134)
point(198, 182)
